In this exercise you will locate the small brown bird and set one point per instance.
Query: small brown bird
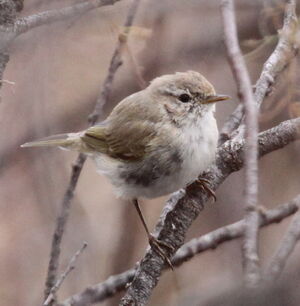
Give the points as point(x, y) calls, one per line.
point(155, 141)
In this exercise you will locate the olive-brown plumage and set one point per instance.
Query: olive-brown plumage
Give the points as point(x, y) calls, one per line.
point(154, 141)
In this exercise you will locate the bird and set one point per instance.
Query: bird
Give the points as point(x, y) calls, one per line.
point(154, 142)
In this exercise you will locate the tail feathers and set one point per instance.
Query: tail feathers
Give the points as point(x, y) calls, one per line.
point(61, 140)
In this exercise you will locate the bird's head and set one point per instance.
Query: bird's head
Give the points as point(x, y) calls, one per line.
point(185, 93)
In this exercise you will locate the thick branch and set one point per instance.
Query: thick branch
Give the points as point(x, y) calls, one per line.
point(25, 24)
point(242, 79)
point(182, 210)
point(285, 248)
point(66, 203)
point(212, 240)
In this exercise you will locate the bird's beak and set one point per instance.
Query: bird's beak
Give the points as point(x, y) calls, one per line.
point(215, 98)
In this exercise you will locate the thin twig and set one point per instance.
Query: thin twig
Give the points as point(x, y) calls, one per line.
point(184, 207)
point(7, 82)
point(242, 79)
point(25, 24)
point(211, 240)
point(231, 124)
point(65, 207)
point(115, 63)
point(100, 292)
point(285, 248)
point(136, 68)
point(60, 280)
point(288, 86)
point(11, 27)
point(11, 83)
point(233, 231)
point(61, 224)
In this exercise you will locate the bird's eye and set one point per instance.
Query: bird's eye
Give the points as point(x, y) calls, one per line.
point(184, 98)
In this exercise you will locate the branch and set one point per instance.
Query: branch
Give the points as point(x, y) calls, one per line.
point(115, 63)
point(231, 124)
point(209, 241)
point(76, 170)
point(97, 293)
point(70, 267)
point(286, 49)
point(242, 79)
point(25, 24)
point(285, 248)
point(183, 208)
point(61, 224)
point(284, 52)
point(230, 232)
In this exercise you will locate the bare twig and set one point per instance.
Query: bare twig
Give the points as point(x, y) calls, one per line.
point(11, 83)
point(285, 248)
point(232, 231)
point(211, 240)
point(184, 208)
point(61, 224)
point(102, 291)
point(25, 24)
point(60, 280)
point(7, 82)
point(231, 124)
point(115, 63)
point(288, 87)
point(12, 27)
point(136, 68)
point(65, 207)
point(286, 49)
point(241, 75)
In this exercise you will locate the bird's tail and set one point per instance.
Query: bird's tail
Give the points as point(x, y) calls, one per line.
point(68, 141)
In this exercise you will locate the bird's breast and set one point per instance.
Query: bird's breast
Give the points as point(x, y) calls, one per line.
point(199, 147)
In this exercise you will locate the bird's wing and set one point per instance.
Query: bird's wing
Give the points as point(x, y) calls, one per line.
point(95, 138)
point(127, 133)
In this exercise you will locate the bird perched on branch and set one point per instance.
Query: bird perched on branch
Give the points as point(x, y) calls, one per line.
point(154, 142)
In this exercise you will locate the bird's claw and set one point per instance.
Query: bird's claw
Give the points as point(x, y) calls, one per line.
point(157, 245)
point(204, 184)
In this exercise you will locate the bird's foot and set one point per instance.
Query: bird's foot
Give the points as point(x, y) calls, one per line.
point(204, 184)
point(157, 245)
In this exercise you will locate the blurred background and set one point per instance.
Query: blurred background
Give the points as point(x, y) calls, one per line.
point(58, 70)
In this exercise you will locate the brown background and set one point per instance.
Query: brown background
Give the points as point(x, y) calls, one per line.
point(58, 70)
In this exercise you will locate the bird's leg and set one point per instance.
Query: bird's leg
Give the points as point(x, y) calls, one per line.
point(204, 184)
point(155, 244)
